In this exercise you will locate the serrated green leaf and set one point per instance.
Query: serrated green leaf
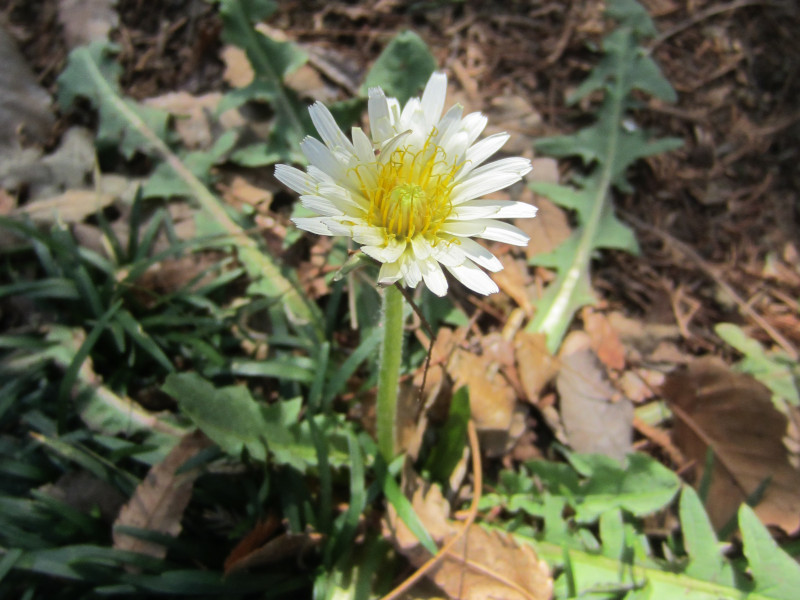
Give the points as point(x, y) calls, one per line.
point(229, 416)
point(631, 14)
point(705, 556)
point(609, 146)
point(775, 573)
point(403, 68)
point(93, 73)
point(641, 487)
point(272, 61)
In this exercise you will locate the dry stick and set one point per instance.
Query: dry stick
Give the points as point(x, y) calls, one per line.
point(477, 474)
point(703, 15)
point(711, 271)
point(431, 333)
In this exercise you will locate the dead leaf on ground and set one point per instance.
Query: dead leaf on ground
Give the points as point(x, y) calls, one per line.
point(85, 493)
point(159, 501)
point(596, 416)
point(548, 230)
point(514, 280)
point(535, 365)
point(73, 206)
point(483, 564)
point(240, 192)
point(238, 71)
point(257, 549)
point(192, 114)
point(493, 401)
point(85, 21)
point(604, 339)
point(24, 104)
point(733, 415)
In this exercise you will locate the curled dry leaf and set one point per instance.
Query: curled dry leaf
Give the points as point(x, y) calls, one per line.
point(483, 564)
point(159, 501)
point(604, 339)
point(85, 21)
point(732, 415)
point(535, 365)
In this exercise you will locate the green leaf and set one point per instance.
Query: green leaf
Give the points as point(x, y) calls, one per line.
point(92, 73)
point(705, 554)
point(608, 147)
point(775, 573)
point(449, 449)
point(229, 416)
point(775, 370)
point(272, 61)
point(642, 486)
point(403, 68)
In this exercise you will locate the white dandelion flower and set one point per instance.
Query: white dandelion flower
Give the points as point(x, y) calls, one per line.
point(412, 195)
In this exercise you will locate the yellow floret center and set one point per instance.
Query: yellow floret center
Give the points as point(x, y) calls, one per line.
point(412, 194)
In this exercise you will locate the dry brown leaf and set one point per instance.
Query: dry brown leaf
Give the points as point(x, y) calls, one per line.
point(241, 192)
point(192, 115)
point(597, 417)
point(493, 402)
point(482, 564)
point(73, 206)
point(85, 21)
point(254, 550)
point(733, 415)
point(604, 339)
point(238, 71)
point(514, 280)
point(548, 230)
point(159, 501)
point(535, 365)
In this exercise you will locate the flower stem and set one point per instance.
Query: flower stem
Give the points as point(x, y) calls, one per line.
point(389, 374)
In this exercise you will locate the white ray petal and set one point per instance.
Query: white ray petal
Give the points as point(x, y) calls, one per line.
point(433, 98)
point(300, 182)
point(494, 209)
point(480, 255)
point(473, 124)
point(328, 129)
point(475, 279)
point(313, 224)
point(479, 152)
point(321, 206)
point(433, 276)
point(321, 157)
point(390, 272)
point(499, 231)
point(380, 117)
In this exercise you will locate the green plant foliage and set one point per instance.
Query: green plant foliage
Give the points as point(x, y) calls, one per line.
point(774, 369)
point(449, 448)
point(272, 61)
point(602, 551)
point(607, 147)
point(236, 422)
point(402, 68)
point(93, 73)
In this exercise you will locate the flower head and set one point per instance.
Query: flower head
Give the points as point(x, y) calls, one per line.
point(411, 195)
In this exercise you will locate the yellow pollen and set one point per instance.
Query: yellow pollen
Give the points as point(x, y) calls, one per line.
point(412, 194)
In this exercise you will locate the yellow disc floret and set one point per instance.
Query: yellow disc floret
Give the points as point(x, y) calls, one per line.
point(412, 195)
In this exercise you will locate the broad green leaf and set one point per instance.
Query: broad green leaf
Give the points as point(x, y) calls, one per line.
point(229, 416)
point(775, 573)
point(705, 556)
point(92, 73)
point(641, 487)
point(403, 68)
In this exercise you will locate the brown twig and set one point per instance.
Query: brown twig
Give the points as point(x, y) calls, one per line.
point(477, 474)
point(712, 272)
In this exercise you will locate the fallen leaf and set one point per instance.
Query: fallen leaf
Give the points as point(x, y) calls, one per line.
point(514, 280)
point(548, 230)
point(73, 206)
point(241, 192)
point(192, 115)
point(85, 493)
point(535, 365)
point(24, 104)
point(597, 418)
point(483, 564)
point(159, 501)
point(493, 402)
point(604, 339)
point(732, 414)
point(86, 21)
point(238, 71)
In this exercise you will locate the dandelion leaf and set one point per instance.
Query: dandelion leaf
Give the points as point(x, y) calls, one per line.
point(92, 73)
